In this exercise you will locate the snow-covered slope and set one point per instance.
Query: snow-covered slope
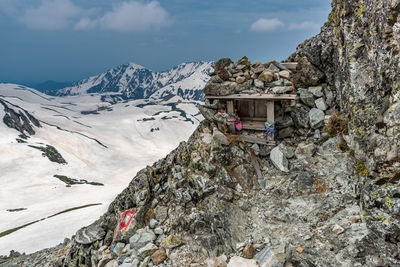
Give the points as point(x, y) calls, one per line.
point(100, 143)
point(132, 81)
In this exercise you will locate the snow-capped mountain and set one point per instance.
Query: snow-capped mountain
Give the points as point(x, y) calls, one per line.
point(132, 81)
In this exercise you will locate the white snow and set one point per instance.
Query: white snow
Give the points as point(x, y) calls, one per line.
point(26, 177)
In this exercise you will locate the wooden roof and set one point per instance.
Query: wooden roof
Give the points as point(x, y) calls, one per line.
point(271, 97)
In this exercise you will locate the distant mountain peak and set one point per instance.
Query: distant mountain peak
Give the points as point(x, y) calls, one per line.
point(133, 81)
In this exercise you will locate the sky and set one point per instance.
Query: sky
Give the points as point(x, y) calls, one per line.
point(68, 40)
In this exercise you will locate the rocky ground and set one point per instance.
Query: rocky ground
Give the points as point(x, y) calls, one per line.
point(328, 193)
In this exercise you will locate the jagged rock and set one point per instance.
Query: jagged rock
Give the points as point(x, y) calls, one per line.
point(145, 262)
point(300, 117)
point(266, 76)
point(282, 89)
point(286, 132)
point(147, 250)
point(207, 113)
point(317, 118)
point(153, 223)
point(223, 74)
point(305, 150)
point(159, 256)
point(271, 257)
point(219, 138)
point(392, 115)
point(258, 83)
point(337, 229)
point(279, 160)
point(284, 74)
point(259, 69)
point(244, 61)
point(141, 238)
point(222, 63)
point(288, 151)
point(118, 249)
point(249, 251)
point(89, 234)
point(320, 104)
point(285, 122)
point(307, 74)
point(307, 98)
point(241, 262)
point(171, 242)
point(316, 91)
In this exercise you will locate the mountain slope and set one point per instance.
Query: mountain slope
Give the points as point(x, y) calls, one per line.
point(49, 144)
point(132, 81)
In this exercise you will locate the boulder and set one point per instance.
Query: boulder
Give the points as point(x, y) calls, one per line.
point(320, 104)
point(88, 235)
point(240, 79)
point(207, 113)
point(171, 242)
point(147, 250)
point(249, 251)
point(222, 63)
point(271, 257)
point(141, 238)
point(279, 160)
point(284, 74)
point(307, 98)
point(300, 117)
point(317, 118)
point(286, 132)
point(159, 256)
point(118, 249)
point(316, 91)
point(223, 74)
point(258, 83)
point(287, 150)
point(266, 76)
point(305, 150)
point(215, 262)
point(219, 138)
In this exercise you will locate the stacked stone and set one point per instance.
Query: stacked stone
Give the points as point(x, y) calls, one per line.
point(247, 78)
point(305, 117)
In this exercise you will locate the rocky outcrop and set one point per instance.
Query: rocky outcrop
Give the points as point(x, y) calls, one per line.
point(327, 195)
point(19, 119)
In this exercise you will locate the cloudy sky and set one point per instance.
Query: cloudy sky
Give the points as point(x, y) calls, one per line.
point(67, 40)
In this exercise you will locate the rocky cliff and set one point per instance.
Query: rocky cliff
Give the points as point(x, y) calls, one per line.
point(216, 199)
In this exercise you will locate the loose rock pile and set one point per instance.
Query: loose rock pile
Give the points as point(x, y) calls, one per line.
point(249, 78)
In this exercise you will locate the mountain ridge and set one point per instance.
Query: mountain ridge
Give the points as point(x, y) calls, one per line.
point(131, 81)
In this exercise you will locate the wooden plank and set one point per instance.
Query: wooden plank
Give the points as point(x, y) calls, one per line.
point(231, 111)
point(263, 119)
point(255, 97)
point(290, 65)
point(253, 125)
point(255, 140)
point(270, 117)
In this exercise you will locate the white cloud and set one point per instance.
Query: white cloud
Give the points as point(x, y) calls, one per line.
point(130, 16)
point(266, 25)
point(305, 25)
point(51, 15)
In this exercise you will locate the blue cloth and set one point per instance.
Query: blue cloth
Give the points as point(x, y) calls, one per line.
point(271, 128)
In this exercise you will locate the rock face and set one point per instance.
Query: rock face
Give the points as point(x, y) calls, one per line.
point(90, 234)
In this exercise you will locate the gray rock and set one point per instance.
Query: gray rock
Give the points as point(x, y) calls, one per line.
point(307, 98)
point(222, 63)
point(145, 262)
point(147, 250)
point(273, 68)
point(282, 89)
point(258, 83)
point(285, 122)
point(317, 118)
point(219, 138)
point(279, 160)
point(141, 238)
point(316, 91)
point(320, 104)
point(256, 149)
point(286, 132)
point(300, 117)
point(287, 150)
point(304, 150)
point(207, 113)
point(259, 69)
point(329, 97)
point(271, 257)
point(112, 263)
point(284, 74)
point(90, 234)
point(158, 231)
point(117, 250)
point(153, 223)
point(266, 76)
